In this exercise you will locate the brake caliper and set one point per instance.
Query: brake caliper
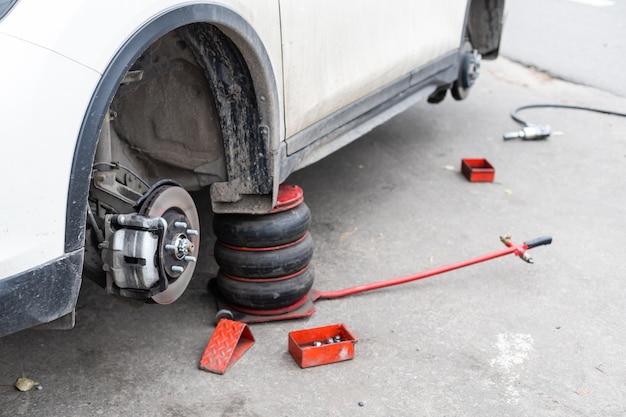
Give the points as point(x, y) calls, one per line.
point(130, 255)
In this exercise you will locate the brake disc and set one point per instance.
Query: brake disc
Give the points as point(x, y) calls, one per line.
point(178, 251)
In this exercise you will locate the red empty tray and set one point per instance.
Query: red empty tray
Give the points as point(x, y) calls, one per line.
point(477, 170)
point(311, 347)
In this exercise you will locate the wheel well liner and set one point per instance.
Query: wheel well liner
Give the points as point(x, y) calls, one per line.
point(245, 42)
point(484, 26)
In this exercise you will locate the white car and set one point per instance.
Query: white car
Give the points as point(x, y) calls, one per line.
point(111, 111)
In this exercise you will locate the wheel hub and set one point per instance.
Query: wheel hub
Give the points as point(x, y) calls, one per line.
point(469, 70)
point(177, 254)
point(182, 247)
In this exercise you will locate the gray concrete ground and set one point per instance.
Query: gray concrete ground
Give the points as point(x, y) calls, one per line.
point(502, 338)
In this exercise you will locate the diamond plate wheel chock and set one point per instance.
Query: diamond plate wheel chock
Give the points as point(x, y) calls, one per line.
point(230, 340)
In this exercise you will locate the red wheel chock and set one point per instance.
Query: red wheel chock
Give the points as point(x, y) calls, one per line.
point(229, 341)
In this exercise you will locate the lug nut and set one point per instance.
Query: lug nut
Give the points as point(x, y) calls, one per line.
point(192, 232)
point(190, 258)
point(180, 225)
point(177, 268)
point(317, 343)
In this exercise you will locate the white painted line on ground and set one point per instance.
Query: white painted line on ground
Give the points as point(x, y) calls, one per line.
point(513, 350)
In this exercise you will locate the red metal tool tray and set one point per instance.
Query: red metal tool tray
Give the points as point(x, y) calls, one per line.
point(477, 170)
point(313, 347)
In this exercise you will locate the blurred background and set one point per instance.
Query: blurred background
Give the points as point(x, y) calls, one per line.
point(583, 41)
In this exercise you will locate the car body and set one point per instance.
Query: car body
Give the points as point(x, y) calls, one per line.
point(101, 102)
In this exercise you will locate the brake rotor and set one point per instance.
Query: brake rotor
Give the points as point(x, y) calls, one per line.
point(178, 252)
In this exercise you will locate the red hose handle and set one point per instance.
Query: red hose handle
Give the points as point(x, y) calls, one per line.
point(521, 250)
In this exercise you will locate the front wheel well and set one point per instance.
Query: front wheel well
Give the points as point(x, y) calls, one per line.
point(247, 150)
point(187, 110)
point(183, 112)
point(255, 176)
point(164, 120)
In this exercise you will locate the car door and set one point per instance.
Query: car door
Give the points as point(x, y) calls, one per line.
point(336, 52)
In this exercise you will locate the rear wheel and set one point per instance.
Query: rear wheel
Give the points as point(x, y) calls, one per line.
point(469, 70)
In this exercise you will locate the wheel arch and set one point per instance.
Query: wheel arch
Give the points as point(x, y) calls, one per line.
point(484, 26)
point(253, 176)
